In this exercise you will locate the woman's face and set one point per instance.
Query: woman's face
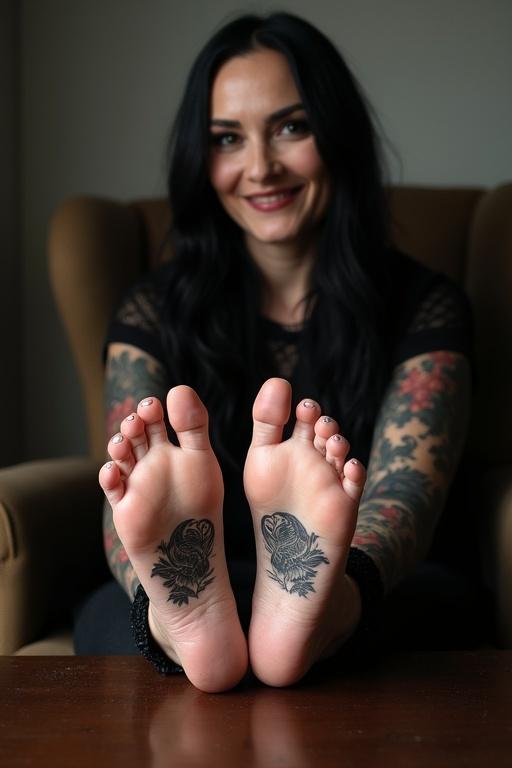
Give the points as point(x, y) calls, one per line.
point(264, 163)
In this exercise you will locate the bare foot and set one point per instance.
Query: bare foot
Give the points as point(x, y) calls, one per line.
point(304, 498)
point(167, 507)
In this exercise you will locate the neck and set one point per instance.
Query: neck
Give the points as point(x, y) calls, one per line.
point(286, 272)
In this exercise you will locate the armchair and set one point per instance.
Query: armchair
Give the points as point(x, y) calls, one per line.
point(97, 248)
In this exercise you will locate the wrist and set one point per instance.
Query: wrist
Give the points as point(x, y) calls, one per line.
point(145, 641)
point(354, 604)
point(365, 576)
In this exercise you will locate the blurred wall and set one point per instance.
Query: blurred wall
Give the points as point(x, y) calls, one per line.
point(100, 83)
point(10, 288)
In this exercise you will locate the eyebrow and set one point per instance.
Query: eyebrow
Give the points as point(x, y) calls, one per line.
point(278, 115)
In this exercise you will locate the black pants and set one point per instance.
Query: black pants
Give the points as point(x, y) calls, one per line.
point(435, 609)
point(102, 620)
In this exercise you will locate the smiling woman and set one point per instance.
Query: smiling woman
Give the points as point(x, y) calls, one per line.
point(283, 291)
point(267, 170)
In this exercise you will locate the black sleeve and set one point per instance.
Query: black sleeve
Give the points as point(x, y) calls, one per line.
point(138, 318)
point(439, 318)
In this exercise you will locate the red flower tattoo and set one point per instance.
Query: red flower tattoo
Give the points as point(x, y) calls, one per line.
point(119, 412)
point(108, 540)
point(123, 557)
point(422, 387)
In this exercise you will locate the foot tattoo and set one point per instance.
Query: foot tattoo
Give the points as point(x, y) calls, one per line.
point(185, 563)
point(294, 554)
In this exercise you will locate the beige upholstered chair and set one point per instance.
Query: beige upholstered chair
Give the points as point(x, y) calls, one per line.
point(97, 248)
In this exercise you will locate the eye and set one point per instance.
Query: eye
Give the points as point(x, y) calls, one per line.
point(224, 141)
point(299, 128)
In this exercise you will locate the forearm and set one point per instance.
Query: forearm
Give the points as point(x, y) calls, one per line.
point(416, 449)
point(117, 559)
point(131, 375)
point(389, 531)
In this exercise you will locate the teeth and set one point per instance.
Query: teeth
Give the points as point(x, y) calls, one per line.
point(270, 198)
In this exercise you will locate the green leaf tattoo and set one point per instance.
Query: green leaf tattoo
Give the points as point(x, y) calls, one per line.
point(130, 376)
point(417, 443)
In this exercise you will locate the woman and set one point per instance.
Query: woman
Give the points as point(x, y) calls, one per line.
point(283, 288)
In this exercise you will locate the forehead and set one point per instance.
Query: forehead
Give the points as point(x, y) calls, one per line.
point(260, 81)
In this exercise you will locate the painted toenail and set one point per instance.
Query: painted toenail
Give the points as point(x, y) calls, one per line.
point(130, 417)
point(109, 465)
point(117, 439)
point(146, 402)
point(354, 461)
point(309, 404)
point(337, 438)
point(326, 419)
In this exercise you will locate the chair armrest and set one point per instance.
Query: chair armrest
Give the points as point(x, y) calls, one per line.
point(496, 540)
point(50, 545)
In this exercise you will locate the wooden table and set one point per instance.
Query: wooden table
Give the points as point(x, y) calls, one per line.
point(435, 709)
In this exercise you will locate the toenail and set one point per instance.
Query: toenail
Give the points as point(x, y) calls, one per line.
point(309, 404)
point(130, 417)
point(354, 461)
point(117, 439)
point(337, 438)
point(109, 465)
point(146, 402)
point(326, 419)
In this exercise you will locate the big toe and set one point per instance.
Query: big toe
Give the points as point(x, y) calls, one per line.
point(271, 411)
point(188, 417)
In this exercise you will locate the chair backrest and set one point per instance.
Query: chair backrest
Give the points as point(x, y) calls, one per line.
point(98, 248)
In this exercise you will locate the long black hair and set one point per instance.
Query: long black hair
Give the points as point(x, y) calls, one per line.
point(214, 292)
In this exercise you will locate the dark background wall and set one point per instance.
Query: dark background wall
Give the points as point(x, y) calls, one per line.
point(88, 108)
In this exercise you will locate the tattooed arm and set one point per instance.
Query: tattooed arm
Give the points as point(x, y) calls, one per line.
point(416, 447)
point(131, 375)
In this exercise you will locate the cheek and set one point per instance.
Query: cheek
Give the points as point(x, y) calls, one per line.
point(306, 161)
point(223, 174)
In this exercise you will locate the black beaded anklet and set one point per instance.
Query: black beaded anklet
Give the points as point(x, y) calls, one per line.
point(365, 573)
point(144, 640)
point(360, 567)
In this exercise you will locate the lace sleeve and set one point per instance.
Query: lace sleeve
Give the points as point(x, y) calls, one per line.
point(137, 320)
point(441, 320)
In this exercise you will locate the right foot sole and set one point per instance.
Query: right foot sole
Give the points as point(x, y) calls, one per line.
point(167, 509)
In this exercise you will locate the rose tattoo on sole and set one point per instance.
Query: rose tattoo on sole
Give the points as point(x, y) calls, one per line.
point(184, 562)
point(294, 554)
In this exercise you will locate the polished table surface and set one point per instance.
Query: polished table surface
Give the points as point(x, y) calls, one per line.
point(428, 709)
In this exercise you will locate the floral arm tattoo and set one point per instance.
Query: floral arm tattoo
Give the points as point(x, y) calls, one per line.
point(131, 375)
point(416, 447)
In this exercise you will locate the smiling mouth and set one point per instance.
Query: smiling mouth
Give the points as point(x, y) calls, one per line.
point(273, 201)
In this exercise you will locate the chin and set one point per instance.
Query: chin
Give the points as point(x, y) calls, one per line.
point(274, 236)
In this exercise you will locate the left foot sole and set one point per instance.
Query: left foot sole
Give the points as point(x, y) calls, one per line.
point(304, 497)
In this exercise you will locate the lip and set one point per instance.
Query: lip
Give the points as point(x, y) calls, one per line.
point(274, 199)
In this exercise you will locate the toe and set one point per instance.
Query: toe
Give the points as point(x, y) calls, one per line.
point(354, 479)
point(271, 411)
point(151, 412)
point(307, 413)
point(325, 428)
point(133, 428)
point(111, 482)
point(188, 417)
point(120, 449)
point(336, 450)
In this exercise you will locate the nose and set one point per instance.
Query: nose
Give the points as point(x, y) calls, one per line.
point(261, 162)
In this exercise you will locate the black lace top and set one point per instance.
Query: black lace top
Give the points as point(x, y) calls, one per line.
point(430, 313)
